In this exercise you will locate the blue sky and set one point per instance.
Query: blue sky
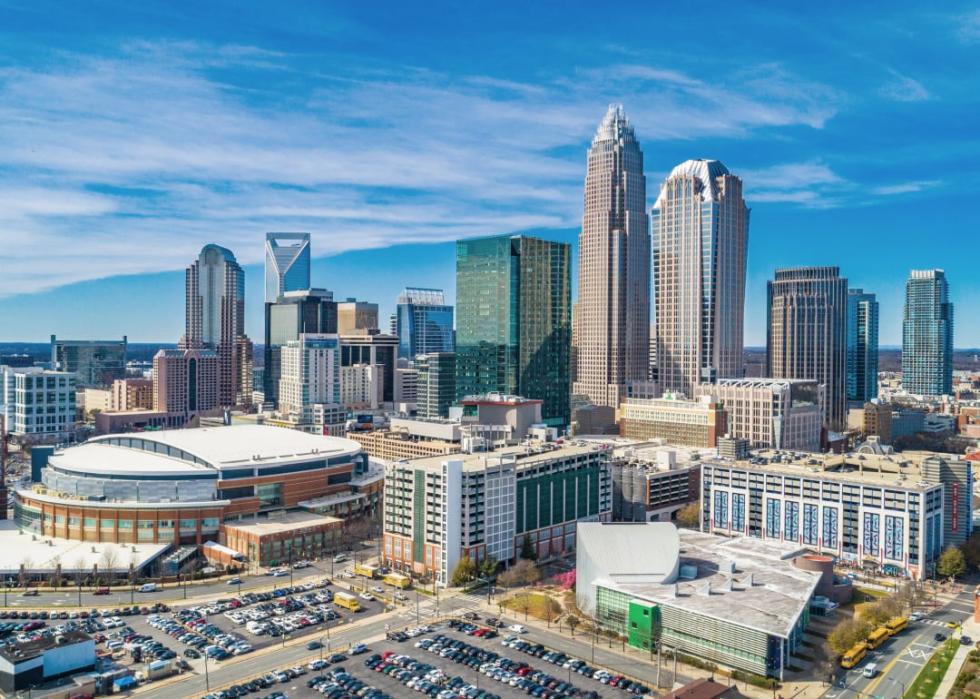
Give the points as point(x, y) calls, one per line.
point(131, 136)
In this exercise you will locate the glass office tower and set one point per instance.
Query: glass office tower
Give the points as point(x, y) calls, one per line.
point(423, 323)
point(927, 334)
point(287, 264)
point(513, 335)
point(862, 346)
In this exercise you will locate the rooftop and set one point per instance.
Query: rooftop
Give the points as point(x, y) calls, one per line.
point(716, 574)
point(19, 652)
point(42, 554)
point(288, 522)
point(526, 455)
point(108, 460)
point(705, 171)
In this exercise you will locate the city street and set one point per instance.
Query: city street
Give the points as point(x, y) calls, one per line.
point(900, 659)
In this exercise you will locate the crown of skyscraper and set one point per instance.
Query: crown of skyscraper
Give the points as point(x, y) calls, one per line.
point(614, 125)
point(705, 171)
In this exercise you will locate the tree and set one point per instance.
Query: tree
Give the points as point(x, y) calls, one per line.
point(527, 549)
point(689, 516)
point(951, 563)
point(908, 596)
point(522, 603)
point(464, 572)
point(573, 621)
point(489, 565)
point(971, 550)
point(109, 560)
point(847, 633)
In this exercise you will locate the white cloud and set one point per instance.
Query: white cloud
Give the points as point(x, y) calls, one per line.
point(903, 88)
point(905, 187)
point(968, 27)
point(129, 163)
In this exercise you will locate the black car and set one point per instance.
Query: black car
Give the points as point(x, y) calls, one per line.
point(314, 645)
point(939, 638)
point(966, 641)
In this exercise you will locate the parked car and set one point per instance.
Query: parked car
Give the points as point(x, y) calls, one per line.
point(517, 628)
point(101, 591)
point(966, 641)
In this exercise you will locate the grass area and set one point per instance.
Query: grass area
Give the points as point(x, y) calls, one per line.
point(533, 604)
point(927, 682)
point(867, 594)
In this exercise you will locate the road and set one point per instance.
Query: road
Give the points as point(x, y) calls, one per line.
point(900, 659)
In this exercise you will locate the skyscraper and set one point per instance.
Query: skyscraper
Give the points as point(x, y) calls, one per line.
point(862, 346)
point(700, 242)
point(215, 319)
point(310, 377)
point(807, 336)
point(927, 334)
point(287, 264)
point(310, 311)
point(436, 387)
point(613, 333)
point(423, 323)
point(95, 363)
point(513, 302)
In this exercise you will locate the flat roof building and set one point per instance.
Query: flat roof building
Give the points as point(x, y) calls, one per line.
point(673, 418)
point(29, 664)
point(653, 583)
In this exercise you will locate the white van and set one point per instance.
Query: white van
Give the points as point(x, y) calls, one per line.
point(870, 670)
point(148, 587)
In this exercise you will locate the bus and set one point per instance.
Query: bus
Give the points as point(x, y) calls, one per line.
point(398, 580)
point(878, 636)
point(854, 655)
point(896, 624)
point(347, 601)
point(366, 570)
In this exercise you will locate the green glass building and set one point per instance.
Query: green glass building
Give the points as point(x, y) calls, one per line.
point(513, 320)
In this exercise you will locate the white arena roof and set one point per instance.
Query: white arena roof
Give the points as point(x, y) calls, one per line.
point(42, 554)
point(95, 459)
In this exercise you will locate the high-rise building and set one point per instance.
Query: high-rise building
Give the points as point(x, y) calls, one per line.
point(423, 323)
point(287, 264)
point(513, 299)
point(927, 334)
point(185, 382)
point(436, 386)
point(862, 346)
point(310, 377)
point(613, 332)
point(215, 319)
point(37, 405)
point(357, 317)
point(700, 229)
point(807, 333)
point(95, 363)
point(311, 311)
point(375, 357)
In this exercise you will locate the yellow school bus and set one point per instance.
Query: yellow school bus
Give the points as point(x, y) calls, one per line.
point(896, 624)
point(347, 601)
point(398, 580)
point(854, 655)
point(878, 636)
point(366, 570)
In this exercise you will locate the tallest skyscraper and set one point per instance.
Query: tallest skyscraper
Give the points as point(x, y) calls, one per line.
point(613, 314)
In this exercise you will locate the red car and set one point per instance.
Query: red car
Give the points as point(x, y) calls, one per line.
point(101, 591)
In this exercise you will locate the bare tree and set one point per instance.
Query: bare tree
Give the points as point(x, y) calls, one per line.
point(109, 560)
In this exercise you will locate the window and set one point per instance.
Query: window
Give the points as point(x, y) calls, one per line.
point(894, 537)
point(270, 494)
point(810, 524)
point(791, 523)
point(772, 517)
point(209, 523)
point(721, 508)
point(188, 524)
point(126, 524)
point(872, 542)
point(738, 511)
point(90, 522)
point(74, 521)
point(830, 527)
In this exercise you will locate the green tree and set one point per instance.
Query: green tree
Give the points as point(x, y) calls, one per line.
point(527, 549)
point(847, 633)
point(689, 516)
point(971, 550)
point(951, 563)
point(464, 572)
point(488, 567)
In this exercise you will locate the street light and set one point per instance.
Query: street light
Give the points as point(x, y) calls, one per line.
point(207, 679)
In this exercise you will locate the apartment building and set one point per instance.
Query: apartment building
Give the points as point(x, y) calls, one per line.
point(38, 405)
point(673, 418)
point(438, 510)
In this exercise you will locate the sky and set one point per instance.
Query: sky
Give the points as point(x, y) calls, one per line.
point(132, 134)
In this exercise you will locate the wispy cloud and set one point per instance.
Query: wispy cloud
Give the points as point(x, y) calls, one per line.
point(904, 88)
point(905, 187)
point(170, 145)
point(968, 27)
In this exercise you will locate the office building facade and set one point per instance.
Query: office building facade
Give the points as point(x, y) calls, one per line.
point(807, 333)
point(131, 394)
point(310, 376)
point(927, 334)
point(423, 323)
point(38, 405)
point(357, 317)
point(185, 382)
point(771, 413)
point(287, 264)
point(375, 355)
point(862, 346)
point(700, 229)
point(215, 320)
point(95, 363)
point(613, 333)
point(436, 385)
point(513, 298)
point(311, 311)
point(438, 510)
point(674, 419)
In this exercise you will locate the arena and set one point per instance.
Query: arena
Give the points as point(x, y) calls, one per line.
point(180, 486)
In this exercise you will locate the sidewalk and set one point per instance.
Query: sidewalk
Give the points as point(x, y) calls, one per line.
point(972, 629)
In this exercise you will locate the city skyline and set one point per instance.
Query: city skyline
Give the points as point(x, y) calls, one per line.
point(796, 130)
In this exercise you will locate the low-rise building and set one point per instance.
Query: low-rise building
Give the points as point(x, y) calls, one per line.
point(738, 602)
point(38, 404)
point(50, 657)
point(771, 413)
point(283, 537)
point(653, 482)
point(676, 420)
point(439, 510)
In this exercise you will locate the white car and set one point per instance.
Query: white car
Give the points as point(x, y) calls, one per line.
point(377, 588)
point(517, 628)
point(367, 596)
point(916, 616)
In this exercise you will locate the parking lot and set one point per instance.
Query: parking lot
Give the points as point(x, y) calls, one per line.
point(446, 663)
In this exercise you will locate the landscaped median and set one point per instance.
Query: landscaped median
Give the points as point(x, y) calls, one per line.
point(931, 675)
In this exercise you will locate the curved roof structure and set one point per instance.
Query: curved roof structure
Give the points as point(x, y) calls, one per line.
point(624, 554)
point(219, 448)
point(705, 171)
point(613, 126)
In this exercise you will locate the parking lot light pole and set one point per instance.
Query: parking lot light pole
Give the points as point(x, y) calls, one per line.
point(207, 678)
